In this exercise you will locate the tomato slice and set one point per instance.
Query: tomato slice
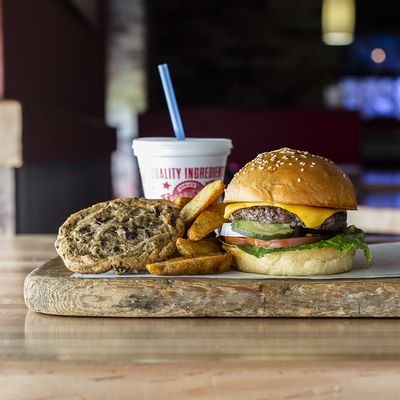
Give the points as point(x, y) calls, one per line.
point(236, 240)
point(291, 242)
point(274, 243)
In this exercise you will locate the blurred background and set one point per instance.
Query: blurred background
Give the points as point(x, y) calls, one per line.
point(79, 80)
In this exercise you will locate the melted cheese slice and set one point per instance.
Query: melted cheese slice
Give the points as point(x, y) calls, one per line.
point(311, 216)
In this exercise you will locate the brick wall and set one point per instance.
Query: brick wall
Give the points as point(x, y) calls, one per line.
point(125, 87)
point(7, 205)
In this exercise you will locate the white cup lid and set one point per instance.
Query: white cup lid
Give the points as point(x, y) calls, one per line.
point(171, 147)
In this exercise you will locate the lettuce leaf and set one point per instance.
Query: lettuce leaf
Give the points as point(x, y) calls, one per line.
point(350, 238)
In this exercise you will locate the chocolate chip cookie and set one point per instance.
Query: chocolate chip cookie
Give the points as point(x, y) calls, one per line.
point(121, 234)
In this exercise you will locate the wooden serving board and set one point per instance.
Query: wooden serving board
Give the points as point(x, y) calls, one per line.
point(50, 289)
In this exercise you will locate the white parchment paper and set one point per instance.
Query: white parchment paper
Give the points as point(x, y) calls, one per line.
point(385, 264)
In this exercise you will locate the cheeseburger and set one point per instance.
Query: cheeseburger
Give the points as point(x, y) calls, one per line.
point(287, 216)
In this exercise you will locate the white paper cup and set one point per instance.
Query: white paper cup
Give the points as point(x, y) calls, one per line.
point(170, 168)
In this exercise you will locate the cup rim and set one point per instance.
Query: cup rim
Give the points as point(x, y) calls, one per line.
point(190, 147)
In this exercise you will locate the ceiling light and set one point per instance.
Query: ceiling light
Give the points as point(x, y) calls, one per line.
point(338, 20)
point(378, 55)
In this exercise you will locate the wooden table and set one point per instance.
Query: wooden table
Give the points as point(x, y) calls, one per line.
point(47, 357)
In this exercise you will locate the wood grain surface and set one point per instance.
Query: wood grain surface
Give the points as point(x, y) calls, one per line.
point(73, 358)
point(50, 289)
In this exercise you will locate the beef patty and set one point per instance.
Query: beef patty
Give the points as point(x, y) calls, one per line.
point(277, 215)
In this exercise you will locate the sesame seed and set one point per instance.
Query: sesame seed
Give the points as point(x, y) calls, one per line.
point(302, 169)
point(298, 180)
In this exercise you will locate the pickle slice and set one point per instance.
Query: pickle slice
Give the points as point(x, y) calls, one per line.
point(260, 230)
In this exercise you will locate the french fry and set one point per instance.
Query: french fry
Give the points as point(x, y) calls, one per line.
point(204, 224)
point(201, 248)
point(180, 202)
point(204, 265)
point(208, 195)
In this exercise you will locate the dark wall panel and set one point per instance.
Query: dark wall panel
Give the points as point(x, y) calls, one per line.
point(53, 56)
point(48, 193)
point(252, 53)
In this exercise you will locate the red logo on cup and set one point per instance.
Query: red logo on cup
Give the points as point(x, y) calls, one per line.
point(187, 189)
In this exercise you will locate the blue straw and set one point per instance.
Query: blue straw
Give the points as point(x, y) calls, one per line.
point(171, 101)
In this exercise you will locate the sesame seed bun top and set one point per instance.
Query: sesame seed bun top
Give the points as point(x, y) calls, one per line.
point(296, 177)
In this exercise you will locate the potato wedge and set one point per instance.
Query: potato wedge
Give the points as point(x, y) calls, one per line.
point(200, 248)
point(204, 224)
point(204, 265)
point(218, 208)
point(180, 202)
point(208, 195)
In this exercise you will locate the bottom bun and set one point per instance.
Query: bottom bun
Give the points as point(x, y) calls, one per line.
point(298, 262)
